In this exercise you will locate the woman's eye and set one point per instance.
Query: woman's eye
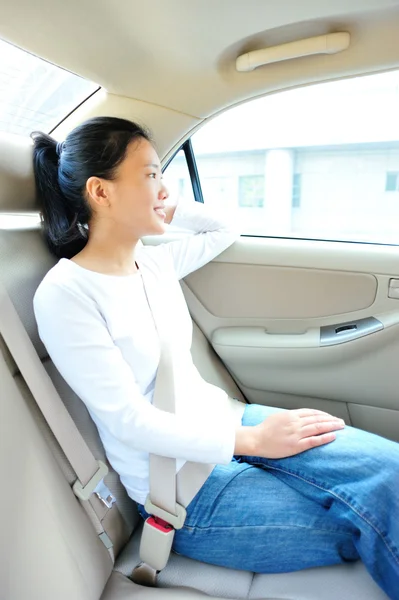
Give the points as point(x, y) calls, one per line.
point(153, 175)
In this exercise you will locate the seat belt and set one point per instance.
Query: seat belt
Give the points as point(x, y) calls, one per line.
point(169, 494)
point(89, 487)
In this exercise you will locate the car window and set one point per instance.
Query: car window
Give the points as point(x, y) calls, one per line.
point(35, 94)
point(177, 180)
point(319, 162)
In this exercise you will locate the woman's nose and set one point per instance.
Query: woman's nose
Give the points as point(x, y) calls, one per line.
point(163, 192)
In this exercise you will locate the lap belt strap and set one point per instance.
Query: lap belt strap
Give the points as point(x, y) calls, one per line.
point(89, 486)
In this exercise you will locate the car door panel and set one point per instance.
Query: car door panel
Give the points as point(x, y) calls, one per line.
point(281, 292)
point(262, 304)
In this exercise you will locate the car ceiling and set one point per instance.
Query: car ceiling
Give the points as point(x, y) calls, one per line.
point(181, 54)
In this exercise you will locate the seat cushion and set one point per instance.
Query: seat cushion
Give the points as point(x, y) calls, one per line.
point(120, 588)
point(346, 582)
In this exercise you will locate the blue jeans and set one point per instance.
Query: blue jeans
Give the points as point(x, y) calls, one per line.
point(328, 505)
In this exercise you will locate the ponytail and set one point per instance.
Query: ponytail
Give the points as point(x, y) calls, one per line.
point(95, 148)
point(65, 233)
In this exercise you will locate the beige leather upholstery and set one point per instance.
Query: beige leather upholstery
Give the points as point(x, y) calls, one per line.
point(190, 74)
point(346, 582)
point(48, 549)
point(17, 188)
point(119, 588)
point(359, 291)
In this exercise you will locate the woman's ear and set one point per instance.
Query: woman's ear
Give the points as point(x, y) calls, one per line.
point(98, 192)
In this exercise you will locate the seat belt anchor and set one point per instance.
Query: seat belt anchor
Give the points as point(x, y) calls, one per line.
point(105, 495)
point(83, 492)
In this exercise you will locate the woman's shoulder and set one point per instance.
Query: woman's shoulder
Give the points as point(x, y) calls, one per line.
point(60, 273)
point(59, 283)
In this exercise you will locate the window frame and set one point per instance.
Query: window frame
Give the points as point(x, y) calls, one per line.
point(74, 109)
point(188, 151)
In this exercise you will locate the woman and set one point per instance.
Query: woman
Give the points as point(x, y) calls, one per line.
point(291, 489)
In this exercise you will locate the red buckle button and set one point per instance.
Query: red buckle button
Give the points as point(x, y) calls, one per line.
point(159, 524)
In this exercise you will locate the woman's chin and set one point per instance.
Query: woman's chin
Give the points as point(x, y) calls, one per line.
point(157, 229)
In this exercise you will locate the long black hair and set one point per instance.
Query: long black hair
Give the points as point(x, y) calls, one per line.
point(94, 148)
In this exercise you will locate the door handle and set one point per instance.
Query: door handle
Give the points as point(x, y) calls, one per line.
point(393, 291)
point(330, 335)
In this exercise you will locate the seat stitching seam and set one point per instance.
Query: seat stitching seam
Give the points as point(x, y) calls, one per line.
point(250, 586)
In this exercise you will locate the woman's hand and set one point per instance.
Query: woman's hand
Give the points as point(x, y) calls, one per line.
point(287, 433)
point(170, 211)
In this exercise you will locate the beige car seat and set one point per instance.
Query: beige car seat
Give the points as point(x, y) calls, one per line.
point(49, 549)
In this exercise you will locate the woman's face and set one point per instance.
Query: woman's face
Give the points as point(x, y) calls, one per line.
point(136, 197)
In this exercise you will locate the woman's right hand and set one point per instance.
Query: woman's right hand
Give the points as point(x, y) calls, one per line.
point(287, 433)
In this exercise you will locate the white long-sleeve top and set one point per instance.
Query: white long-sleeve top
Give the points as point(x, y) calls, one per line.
point(99, 331)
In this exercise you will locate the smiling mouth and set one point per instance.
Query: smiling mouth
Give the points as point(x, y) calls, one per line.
point(161, 212)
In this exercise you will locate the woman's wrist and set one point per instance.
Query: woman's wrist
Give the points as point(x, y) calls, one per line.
point(170, 212)
point(246, 441)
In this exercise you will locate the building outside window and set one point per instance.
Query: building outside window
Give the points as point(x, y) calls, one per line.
point(251, 191)
point(392, 181)
point(296, 190)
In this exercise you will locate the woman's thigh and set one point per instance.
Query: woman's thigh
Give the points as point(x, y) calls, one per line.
point(355, 478)
point(356, 460)
point(247, 518)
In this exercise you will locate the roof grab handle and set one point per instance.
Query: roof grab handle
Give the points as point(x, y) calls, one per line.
point(331, 43)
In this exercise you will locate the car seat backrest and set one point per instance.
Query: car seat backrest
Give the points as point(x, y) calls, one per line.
point(49, 543)
point(48, 546)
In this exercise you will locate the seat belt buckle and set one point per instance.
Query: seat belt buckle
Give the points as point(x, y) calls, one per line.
point(176, 520)
point(156, 542)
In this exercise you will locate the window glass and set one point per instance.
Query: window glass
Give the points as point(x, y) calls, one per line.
point(35, 94)
point(177, 180)
point(296, 190)
point(392, 181)
point(251, 190)
point(319, 162)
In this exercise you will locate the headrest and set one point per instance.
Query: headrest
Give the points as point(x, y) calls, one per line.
point(17, 184)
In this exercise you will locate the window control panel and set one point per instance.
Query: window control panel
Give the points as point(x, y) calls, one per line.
point(330, 335)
